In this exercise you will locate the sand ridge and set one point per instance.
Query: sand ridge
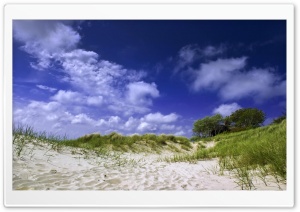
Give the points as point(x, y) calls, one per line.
point(40, 167)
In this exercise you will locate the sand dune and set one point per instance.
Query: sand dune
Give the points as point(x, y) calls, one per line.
point(39, 167)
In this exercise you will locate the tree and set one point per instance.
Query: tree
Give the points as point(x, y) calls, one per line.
point(247, 117)
point(208, 126)
point(201, 127)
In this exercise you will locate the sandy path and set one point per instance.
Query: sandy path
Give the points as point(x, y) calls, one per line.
point(40, 168)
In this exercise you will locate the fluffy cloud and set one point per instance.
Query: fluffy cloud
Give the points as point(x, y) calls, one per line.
point(44, 40)
point(82, 119)
point(119, 87)
point(94, 100)
point(146, 127)
point(228, 78)
point(56, 118)
point(214, 74)
point(60, 118)
point(141, 93)
point(94, 81)
point(131, 123)
point(67, 97)
point(114, 120)
point(259, 83)
point(155, 122)
point(189, 54)
point(160, 118)
point(39, 114)
point(226, 109)
point(72, 97)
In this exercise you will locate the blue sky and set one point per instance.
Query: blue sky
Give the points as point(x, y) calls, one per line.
point(80, 77)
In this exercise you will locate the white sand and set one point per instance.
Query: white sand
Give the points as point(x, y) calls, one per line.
point(41, 168)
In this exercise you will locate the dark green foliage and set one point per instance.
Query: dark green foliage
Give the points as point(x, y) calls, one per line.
point(279, 119)
point(247, 117)
point(240, 120)
point(208, 126)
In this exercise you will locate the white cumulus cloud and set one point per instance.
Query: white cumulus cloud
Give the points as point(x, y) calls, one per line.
point(94, 81)
point(214, 74)
point(141, 93)
point(45, 39)
point(98, 95)
point(226, 109)
point(232, 82)
point(146, 127)
point(94, 100)
point(189, 54)
point(82, 119)
point(131, 123)
point(67, 97)
point(260, 84)
point(160, 118)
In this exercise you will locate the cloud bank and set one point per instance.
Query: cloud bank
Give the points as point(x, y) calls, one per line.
point(232, 80)
point(103, 96)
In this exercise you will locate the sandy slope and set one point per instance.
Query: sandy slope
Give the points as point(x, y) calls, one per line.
point(40, 168)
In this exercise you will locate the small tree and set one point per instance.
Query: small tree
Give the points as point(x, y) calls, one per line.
point(208, 126)
point(247, 117)
point(201, 127)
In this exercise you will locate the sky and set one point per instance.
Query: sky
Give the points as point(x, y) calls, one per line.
point(144, 76)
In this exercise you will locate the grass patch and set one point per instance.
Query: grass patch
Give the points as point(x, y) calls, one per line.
point(102, 144)
point(23, 134)
point(252, 153)
point(134, 143)
point(255, 148)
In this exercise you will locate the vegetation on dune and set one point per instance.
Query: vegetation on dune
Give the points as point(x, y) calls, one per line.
point(247, 117)
point(279, 119)
point(26, 134)
point(258, 152)
point(208, 126)
point(241, 146)
point(134, 143)
point(241, 119)
point(104, 143)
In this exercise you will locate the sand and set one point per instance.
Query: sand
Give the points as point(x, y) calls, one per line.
point(39, 167)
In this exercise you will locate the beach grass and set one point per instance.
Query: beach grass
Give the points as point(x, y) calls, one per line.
point(102, 144)
point(258, 152)
point(254, 153)
point(134, 143)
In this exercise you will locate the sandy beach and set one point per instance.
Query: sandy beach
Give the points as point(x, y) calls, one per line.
point(40, 167)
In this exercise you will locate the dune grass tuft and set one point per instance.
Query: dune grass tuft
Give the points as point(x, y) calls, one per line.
point(134, 143)
point(256, 152)
point(104, 143)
